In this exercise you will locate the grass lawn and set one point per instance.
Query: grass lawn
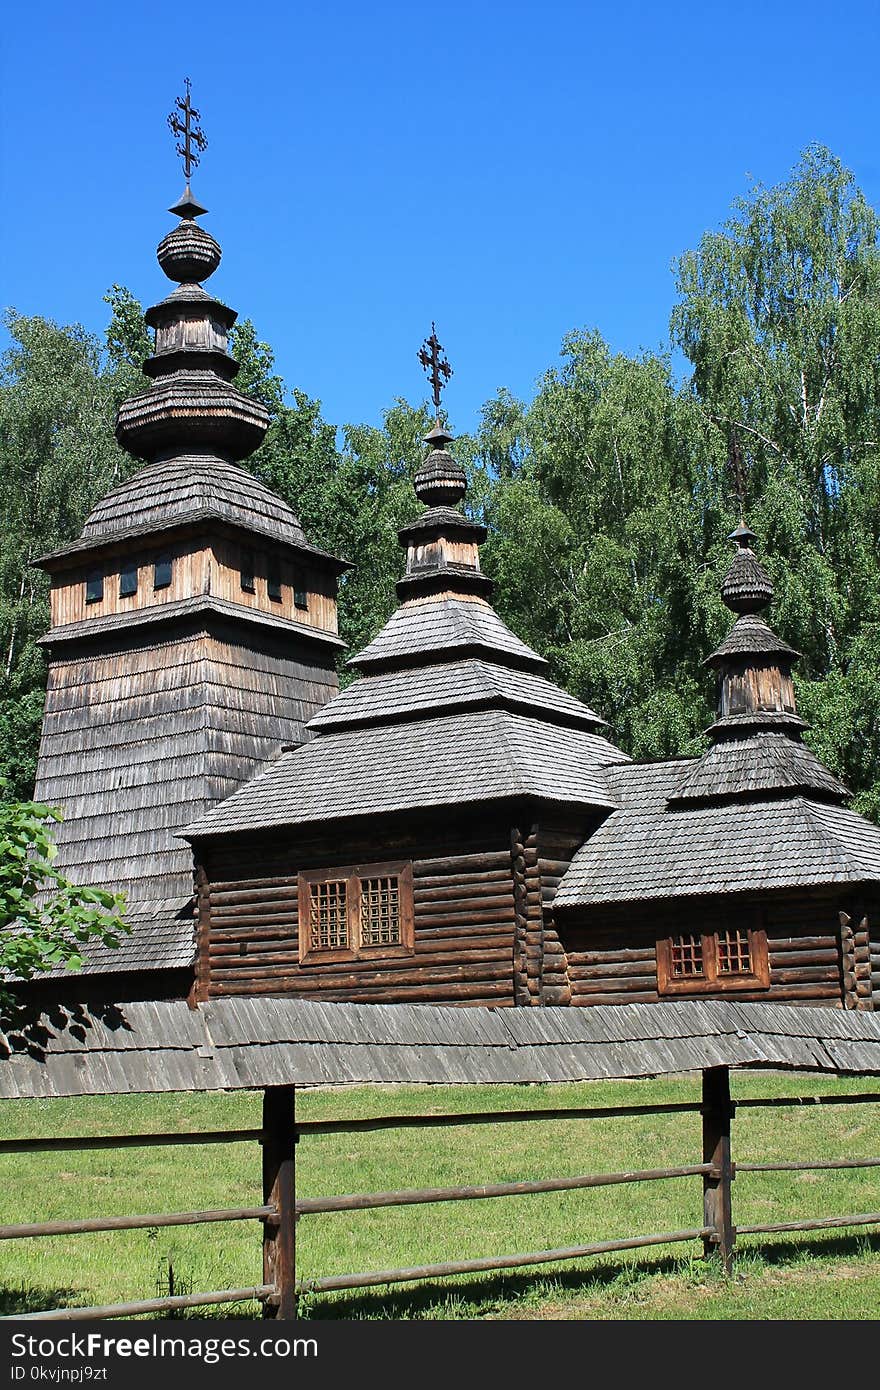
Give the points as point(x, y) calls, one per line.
point(820, 1275)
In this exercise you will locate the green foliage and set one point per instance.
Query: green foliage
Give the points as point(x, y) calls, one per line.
point(780, 316)
point(256, 362)
point(597, 540)
point(44, 919)
point(127, 344)
point(350, 500)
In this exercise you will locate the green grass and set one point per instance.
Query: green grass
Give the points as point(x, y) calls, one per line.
point(831, 1275)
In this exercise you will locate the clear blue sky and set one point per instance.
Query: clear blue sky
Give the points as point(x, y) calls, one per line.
point(513, 170)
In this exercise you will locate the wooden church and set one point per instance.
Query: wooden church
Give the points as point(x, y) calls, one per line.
point(451, 828)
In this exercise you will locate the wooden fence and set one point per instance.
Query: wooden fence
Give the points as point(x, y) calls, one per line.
point(280, 1210)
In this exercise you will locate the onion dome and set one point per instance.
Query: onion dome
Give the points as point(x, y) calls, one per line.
point(754, 665)
point(442, 545)
point(191, 405)
point(756, 750)
point(746, 588)
point(440, 481)
point(188, 252)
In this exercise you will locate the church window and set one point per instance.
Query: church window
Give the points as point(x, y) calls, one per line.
point(686, 956)
point(732, 956)
point(247, 571)
point(300, 594)
point(94, 587)
point(734, 952)
point(128, 579)
point(328, 915)
point(162, 572)
point(363, 911)
point(380, 910)
point(273, 584)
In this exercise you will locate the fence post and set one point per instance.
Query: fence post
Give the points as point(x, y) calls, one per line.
point(279, 1188)
point(717, 1112)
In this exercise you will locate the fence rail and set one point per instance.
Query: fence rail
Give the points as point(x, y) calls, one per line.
point(280, 1210)
point(134, 1223)
point(492, 1263)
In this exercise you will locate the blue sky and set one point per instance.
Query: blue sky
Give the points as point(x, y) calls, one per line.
point(512, 170)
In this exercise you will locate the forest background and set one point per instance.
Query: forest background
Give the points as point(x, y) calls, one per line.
point(609, 497)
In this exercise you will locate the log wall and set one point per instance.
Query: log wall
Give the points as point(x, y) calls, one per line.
point(485, 930)
point(463, 908)
point(612, 957)
point(558, 842)
point(861, 946)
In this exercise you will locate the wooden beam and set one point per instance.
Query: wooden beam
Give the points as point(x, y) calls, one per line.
point(279, 1191)
point(533, 1257)
point(365, 1201)
point(717, 1112)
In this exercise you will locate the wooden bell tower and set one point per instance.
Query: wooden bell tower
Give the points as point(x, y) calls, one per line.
point(193, 626)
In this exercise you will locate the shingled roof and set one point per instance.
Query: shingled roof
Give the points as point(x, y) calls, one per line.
point(176, 487)
point(161, 936)
point(750, 635)
point(447, 760)
point(451, 706)
point(457, 684)
point(648, 849)
point(236, 1044)
point(442, 629)
point(765, 761)
point(758, 811)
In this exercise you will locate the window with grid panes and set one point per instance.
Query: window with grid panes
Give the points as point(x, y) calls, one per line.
point(716, 959)
point(686, 953)
point(734, 952)
point(359, 910)
point(380, 911)
point(328, 915)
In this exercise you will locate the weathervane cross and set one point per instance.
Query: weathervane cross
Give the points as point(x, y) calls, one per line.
point(436, 366)
point(191, 141)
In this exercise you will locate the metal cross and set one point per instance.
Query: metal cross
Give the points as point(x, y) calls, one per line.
point(193, 142)
point(436, 366)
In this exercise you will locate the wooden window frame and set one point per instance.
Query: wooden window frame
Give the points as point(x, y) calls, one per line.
point(712, 981)
point(352, 874)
